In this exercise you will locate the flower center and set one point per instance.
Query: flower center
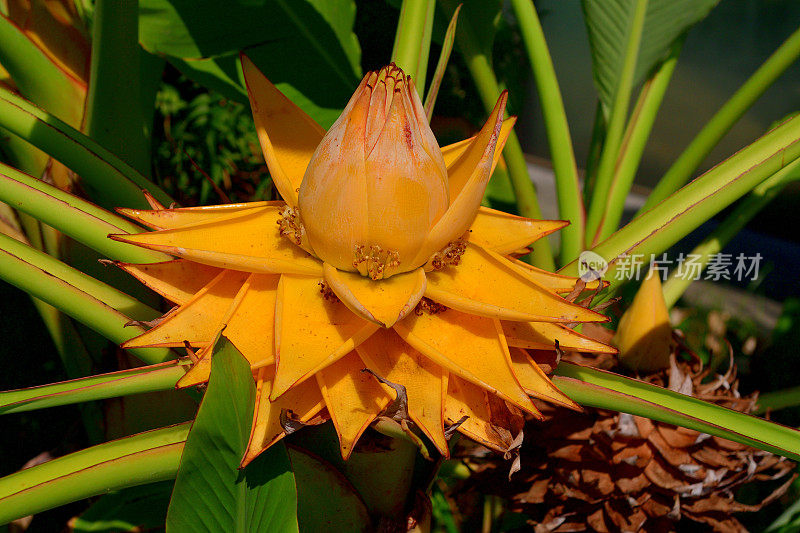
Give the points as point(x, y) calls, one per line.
point(373, 260)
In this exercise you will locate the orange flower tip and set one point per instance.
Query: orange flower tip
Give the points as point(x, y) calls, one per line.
point(152, 201)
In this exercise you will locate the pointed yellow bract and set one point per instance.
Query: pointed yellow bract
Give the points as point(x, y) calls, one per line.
point(543, 336)
point(451, 153)
point(549, 280)
point(464, 207)
point(484, 360)
point(288, 136)
point(354, 399)
point(485, 284)
point(470, 405)
point(380, 279)
point(177, 281)
point(175, 218)
point(251, 326)
point(644, 335)
point(390, 357)
point(300, 404)
point(248, 241)
point(504, 233)
point(383, 302)
point(198, 321)
point(311, 331)
point(535, 381)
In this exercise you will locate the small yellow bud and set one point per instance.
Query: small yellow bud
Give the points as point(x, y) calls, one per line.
point(377, 182)
point(644, 335)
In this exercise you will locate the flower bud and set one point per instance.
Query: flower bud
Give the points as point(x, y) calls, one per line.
point(377, 182)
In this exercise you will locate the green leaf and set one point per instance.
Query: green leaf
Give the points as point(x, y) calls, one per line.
point(132, 510)
point(211, 493)
point(609, 23)
point(158, 377)
point(306, 47)
point(606, 390)
point(144, 458)
point(117, 115)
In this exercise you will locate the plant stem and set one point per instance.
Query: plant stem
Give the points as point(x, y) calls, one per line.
point(656, 230)
point(760, 197)
point(724, 119)
point(595, 149)
point(489, 90)
point(97, 166)
point(616, 124)
point(144, 458)
point(638, 131)
point(99, 306)
point(412, 42)
point(81, 220)
point(606, 390)
point(159, 377)
point(570, 200)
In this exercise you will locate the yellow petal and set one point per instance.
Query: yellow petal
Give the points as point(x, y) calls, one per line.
point(304, 401)
point(311, 331)
point(198, 321)
point(390, 357)
point(504, 233)
point(549, 280)
point(535, 381)
point(177, 281)
point(469, 346)
point(644, 335)
point(200, 371)
point(486, 284)
point(249, 241)
point(183, 216)
point(383, 302)
point(467, 400)
point(461, 158)
point(251, 325)
point(543, 336)
point(354, 399)
point(464, 206)
point(288, 135)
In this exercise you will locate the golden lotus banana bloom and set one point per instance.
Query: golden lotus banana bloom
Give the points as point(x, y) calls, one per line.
point(379, 257)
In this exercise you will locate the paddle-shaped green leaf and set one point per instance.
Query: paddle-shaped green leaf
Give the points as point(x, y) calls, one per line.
point(610, 23)
point(211, 493)
point(152, 378)
point(306, 47)
point(606, 390)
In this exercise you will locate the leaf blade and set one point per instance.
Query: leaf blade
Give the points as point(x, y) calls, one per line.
point(261, 497)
